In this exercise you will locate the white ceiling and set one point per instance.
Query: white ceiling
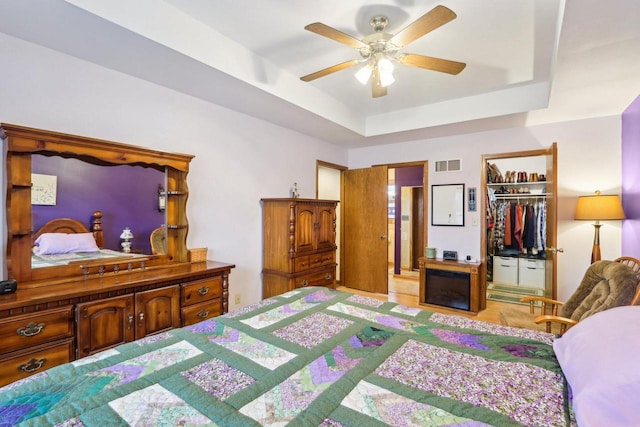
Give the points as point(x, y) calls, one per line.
point(528, 61)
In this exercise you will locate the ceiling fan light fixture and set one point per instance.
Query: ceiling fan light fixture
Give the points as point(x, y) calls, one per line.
point(385, 68)
point(364, 74)
point(380, 49)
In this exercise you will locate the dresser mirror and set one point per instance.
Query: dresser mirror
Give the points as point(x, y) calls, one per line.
point(55, 154)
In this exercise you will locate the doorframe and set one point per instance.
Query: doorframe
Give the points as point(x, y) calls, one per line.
point(425, 184)
point(552, 214)
point(319, 164)
point(425, 204)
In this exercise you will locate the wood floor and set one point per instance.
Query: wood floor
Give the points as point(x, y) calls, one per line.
point(404, 290)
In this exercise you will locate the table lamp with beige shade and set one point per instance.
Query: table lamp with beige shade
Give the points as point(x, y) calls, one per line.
point(598, 208)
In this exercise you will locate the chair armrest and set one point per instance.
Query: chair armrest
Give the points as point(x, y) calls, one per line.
point(564, 322)
point(554, 304)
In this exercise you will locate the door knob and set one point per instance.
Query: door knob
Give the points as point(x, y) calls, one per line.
point(383, 236)
point(554, 250)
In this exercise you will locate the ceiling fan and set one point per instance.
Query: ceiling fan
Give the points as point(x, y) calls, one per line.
point(379, 50)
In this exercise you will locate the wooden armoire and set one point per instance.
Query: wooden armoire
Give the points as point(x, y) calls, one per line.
point(299, 244)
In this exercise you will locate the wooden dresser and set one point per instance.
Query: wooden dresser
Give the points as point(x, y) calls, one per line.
point(65, 312)
point(299, 244)
point(43, 325)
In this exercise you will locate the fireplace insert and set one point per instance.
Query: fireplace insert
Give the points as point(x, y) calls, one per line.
point(447, 288)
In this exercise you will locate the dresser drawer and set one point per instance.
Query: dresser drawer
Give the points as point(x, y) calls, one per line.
point(201, 290)
point(301, 263)
point(202, 311)
point(35, 328)
point(324, 258)
point(325, 277)
point(21, 364)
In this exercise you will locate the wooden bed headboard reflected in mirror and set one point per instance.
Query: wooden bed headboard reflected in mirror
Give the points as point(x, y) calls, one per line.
point(71, 226)
point(22, 142)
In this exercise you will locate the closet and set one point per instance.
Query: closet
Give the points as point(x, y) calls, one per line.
point(519, 234)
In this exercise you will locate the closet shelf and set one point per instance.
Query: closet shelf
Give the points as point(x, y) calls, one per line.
point(515, 184)
point(521, 196)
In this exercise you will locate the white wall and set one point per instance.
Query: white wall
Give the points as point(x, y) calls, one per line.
point(588, 159)
point(238, 159)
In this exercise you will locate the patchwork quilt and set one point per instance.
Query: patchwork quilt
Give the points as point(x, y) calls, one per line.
point(311, 357)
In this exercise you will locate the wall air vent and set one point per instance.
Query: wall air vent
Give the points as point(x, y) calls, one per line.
point(448, 165)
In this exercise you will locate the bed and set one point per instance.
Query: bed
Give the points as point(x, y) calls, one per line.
point(316, 356)
point(65, 241)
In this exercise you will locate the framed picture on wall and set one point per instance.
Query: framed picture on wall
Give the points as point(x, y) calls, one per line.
point(447, 205)
point(44, 189)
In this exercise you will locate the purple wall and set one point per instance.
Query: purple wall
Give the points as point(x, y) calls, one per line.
point(126, 195)
point(404, 177)
point(631, 179)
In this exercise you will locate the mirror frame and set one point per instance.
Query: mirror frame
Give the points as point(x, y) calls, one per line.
point(447, 205)
point(21, 142)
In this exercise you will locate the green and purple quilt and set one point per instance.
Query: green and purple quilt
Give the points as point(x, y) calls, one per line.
point(311, 357)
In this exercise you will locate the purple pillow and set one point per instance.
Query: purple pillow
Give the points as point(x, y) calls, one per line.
point(63, 243)
point(599, 359)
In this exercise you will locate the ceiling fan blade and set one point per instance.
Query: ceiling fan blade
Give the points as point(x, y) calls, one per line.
point(430, 63)
point(377, 90)
point(333, 34)
point(329, 70)
point(435, 18)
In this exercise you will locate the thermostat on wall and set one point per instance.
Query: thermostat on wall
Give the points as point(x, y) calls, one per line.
point(450, 255)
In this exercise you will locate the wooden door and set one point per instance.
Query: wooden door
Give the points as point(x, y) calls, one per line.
point(364, 226)
point(104, 324)
point(417, 226)
point(157, 310)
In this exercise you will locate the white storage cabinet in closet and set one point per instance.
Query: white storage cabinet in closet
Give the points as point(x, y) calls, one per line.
point(531, 272)
point(505, 270)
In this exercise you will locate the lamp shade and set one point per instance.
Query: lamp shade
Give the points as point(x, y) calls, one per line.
point(126, 234)
point(599, 207)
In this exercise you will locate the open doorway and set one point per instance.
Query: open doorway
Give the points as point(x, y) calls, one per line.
point(366, 246)
point(406, 220)
point(329, 186)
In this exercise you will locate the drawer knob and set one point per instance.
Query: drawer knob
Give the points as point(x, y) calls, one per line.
point(317, 260)
point(203, 290)
point(203, 314)
point(327, 276)
point(305, 283)
point(32, 366)
point(31, 329)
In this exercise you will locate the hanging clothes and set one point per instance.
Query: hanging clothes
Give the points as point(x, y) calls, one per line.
point(518, 225)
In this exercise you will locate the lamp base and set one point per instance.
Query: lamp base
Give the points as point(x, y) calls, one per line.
point(595, 251)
